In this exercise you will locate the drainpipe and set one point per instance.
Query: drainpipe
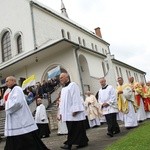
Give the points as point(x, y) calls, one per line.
point(33, 25)
point(79, 70)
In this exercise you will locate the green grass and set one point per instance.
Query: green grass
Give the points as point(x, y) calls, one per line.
point(136, 139)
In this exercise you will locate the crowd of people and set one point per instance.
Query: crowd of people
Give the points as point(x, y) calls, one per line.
point(129, 102)
point(42, 90)
point(20, 126)
point(133, 101)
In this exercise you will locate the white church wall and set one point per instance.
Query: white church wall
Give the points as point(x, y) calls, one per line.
point(95, 71)
point(94, 64)
point(65, 60)
point(48, 27)
point(138, 76)
point(16, 16)
point(95, 85)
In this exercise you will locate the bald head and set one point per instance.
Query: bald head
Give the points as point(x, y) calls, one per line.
point(10, 81)
point(131, 79)
point(120, 80)
point(64, 78)
point(88, 93)
point(142, 83)
point(148, 83)
point(102, 81)
point(39, 101)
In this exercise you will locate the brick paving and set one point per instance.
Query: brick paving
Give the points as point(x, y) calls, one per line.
point(98, 140)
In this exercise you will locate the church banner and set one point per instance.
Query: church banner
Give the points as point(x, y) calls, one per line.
point(54, 72)
point(30, 81)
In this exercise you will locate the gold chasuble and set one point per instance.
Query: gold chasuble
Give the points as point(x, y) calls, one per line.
point(138, 93)
point(122, 102)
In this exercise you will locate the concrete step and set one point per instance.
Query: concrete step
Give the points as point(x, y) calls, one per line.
point(52, 115)
point(2, 122)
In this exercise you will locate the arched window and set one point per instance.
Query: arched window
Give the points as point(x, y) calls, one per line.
point(79, 40)
point(63, 33)
point(117, 71)
point(96, 48)
point(92, 45)
point(19, 44)
point(103, 51)
point(68, 36)
point(6, 46)
point(142, 78)
point(128, 73)
point(84, 42)
point(137, 77)
point(120, 72)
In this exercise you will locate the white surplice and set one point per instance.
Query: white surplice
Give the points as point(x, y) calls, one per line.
point(108, 95)
point(93, 110)
point(19, 119)
point(62, 127)
point(141, 114)
point(41, 115)
point(130, 118)
point(71, 102)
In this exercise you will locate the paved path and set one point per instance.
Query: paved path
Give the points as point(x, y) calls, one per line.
point(98, 140)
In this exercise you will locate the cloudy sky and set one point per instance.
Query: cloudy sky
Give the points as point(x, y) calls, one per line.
point(124, 24)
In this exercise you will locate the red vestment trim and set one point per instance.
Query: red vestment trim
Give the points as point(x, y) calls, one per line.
point(138, 97)
point(6, 97)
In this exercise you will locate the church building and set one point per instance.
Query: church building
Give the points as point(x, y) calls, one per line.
point(35, 39)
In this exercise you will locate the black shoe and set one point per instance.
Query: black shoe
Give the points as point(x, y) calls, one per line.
point(81, 146)
point(116, 132)
point(59, 134)
point(140, 121)
point(66, 147)
point(110, 134)
point(128, 128)
point(96, 126)
point(45, 136)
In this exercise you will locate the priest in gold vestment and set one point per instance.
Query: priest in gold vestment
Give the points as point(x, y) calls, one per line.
point(126, 105)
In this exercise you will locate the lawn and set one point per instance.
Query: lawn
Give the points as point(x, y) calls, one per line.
point(136, 139)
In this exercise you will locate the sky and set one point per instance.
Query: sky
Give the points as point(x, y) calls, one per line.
point(124, 25)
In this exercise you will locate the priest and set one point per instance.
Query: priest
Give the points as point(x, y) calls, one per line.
point(126, 104)
point(73, 112)
point(20, 127)
point(108, 101)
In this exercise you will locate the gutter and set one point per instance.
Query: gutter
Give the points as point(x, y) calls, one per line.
point(33, 25)
point(79, 70)
point(68, 21)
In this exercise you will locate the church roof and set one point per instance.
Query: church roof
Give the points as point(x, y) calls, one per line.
point(48, 9)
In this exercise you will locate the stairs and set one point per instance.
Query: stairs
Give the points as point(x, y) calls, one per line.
point(2, 123)
point(52, 116)
point(51, 113)
point(52, 110)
